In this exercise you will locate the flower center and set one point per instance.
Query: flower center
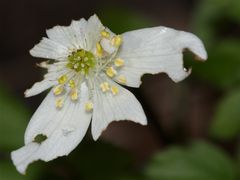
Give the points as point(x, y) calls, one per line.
point(81, 61)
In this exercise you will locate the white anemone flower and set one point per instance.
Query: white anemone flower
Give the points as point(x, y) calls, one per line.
point(89, 64)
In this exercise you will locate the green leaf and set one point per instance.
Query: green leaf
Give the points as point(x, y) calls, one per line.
point(197, 162)
point(13, 120)
point(226, 123)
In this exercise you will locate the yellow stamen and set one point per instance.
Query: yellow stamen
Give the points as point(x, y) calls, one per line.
point(72, 84)
point(105, 34)
point(89, 106)
point(58, 90)
point(116, 40)
point(111, 72)
point(104, 86)
point(59, 103)
point(74, 94)
point(62, 79)
point(114, 90)
point(99, 49)
point(119, 62)
point(122, 79)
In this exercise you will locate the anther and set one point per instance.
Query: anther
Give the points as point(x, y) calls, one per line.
point(119, 62)
point(58, 90)
point(114, 90)
point(74, 94)
point(122, 79)
point(105, 34)
point(116, 40)
point(59, 103)
point(62, 79)
point(104, 86)
point(72, 84)
point(111, 72)
point(89, 106)
point(99, 49)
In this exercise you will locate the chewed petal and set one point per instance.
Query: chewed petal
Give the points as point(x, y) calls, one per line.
point(49, 49)
point(109, 107)
point(155, 50)
point(22, 157)
point(64, 129)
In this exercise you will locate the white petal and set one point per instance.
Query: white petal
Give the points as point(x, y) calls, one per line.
point(108, 108)
point(64, 129)
point(93, 32)
point(49, 49)
point(155, 50)
point(39, 87)
point(71, 36)
point(79, 29)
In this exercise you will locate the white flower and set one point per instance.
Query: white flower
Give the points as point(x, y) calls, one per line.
point(89, 63)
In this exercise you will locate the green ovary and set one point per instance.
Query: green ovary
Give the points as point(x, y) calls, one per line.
point(81, 61)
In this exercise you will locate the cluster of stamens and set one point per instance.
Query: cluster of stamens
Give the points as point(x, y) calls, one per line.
point(112, 69)
point(59, 90)
point(83, 62)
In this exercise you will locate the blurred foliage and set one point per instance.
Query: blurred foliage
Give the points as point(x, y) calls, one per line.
point(222, 69)
point(113, 18)
point(238, 158)
point(198, 161)
point(13, 121)
point(8, 172)
point(217, 22)
point(226, 122)
point(93, 160)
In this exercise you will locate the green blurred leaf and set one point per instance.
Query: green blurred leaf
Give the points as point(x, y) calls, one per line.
point(217, 23)
point(222, 68)
point(226, 123)
point(13, 121)
point(214, 16)
point(200, 161)
point(120, 19)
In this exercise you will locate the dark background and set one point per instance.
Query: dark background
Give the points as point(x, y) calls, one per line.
point(190, 123)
